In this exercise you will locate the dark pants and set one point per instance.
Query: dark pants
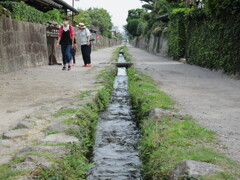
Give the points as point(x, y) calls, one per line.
point(86, 53)
point(73, 52)
point(66, 55)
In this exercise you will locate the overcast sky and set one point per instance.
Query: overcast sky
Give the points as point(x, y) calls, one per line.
point(118, 9)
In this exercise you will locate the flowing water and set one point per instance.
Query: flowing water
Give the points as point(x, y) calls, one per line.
point(115, 151)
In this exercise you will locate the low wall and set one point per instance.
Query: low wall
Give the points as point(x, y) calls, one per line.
point(155, 44)
point(22, 45)
point(104, 42)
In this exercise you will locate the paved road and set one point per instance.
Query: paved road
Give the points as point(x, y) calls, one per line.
point(210, 97)
point(25, 92)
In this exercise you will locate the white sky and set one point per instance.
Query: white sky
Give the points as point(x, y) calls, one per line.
point(118, 9)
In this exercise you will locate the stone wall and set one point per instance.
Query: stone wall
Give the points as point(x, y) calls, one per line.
point(104, 42)
point(155, 44)
point(22, 45)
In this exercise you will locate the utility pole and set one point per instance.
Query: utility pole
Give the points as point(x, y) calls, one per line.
point(72, 13)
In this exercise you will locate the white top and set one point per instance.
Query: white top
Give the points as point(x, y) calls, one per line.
point(83, 35)
point(66, 28)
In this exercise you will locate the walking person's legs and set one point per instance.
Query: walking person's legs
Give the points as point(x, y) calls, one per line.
point(88, 55)
point(83, 49)
point(73, 56)
point(63, 48)
point(68, 56)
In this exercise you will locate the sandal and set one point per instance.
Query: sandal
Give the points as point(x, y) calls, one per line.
point(64, 68)
point(69, 68)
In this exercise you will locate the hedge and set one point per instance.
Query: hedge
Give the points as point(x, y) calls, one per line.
point(207, 37)
point(176, 33)
point(23, 12)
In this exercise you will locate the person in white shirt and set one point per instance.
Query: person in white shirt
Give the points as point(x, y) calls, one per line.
point(85, 36)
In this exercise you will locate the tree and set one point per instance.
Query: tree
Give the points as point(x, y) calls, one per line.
point(134, 21)
point(83, 17)
point(144, 21)
point(132, 27)
point(98, 17)
point(135, 14)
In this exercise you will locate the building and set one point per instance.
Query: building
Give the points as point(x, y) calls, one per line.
point(198, 3)
point(47, 5)
point(114, 31)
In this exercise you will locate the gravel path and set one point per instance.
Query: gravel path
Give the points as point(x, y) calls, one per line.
point(210, 97)
point(25, 92)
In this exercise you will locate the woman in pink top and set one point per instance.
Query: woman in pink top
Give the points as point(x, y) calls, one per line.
point(66, 40)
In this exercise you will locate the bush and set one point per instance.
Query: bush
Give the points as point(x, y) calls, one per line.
point(176, 35)
point(213, 42)
point(23, 12)
point(4, 11)
point(207, 37)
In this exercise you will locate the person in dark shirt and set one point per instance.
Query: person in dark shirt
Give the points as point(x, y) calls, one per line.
point(66, 40)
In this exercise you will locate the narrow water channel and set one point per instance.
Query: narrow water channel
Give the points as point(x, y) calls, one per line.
point(115, 151)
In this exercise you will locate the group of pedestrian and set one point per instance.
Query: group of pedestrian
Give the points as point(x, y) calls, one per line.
point(66, 39)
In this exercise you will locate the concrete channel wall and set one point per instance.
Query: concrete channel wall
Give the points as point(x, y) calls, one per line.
point(22, 45)
point(155, 44)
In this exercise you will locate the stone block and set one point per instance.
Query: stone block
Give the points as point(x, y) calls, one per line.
point(42, 149)
point(158, 113)
point(32, 163)
point(60, 138)
point(25, 165)
point(16, 133)
point(26, 123)
point(60, 127)
point(193, 169)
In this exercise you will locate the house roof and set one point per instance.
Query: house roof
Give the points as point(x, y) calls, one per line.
point(163, 18)
point(47, 5)
point(66, 6)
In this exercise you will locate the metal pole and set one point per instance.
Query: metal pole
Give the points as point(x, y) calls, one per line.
point(72, 13)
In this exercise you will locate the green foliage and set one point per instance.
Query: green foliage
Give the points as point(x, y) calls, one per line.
point(165, 142)
point(98, 17)
point(207, 37)
point(76, 164)
point(83, 17)
point(119, 36)
point(54, 15)
point(148, 6)
point(4, 11)
point(145, 19)
point(23, 12)
point(176, 33)
point(168, 141)
point(135, 14)
point(222, 9)
point(145, 95)
point(7, 173)
point(213, 42)
point(133, 27)
point(66, 112)
point(135, 24)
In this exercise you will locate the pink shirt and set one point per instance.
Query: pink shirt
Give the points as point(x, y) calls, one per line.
point(71, 29)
